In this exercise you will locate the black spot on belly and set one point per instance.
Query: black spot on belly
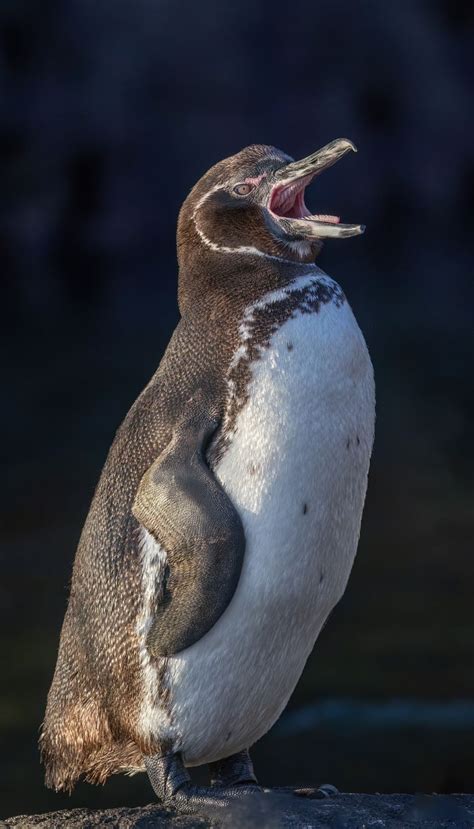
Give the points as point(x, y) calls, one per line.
point(305, 509)
point(253, 468)
point(289, 346)
point(228, 736)
point(321, 576)
point(348, 443)
point(358, 440)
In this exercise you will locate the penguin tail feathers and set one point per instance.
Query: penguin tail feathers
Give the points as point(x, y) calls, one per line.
point(66, 760)
point(79, 738)
point(62, 764)
point(76, 740)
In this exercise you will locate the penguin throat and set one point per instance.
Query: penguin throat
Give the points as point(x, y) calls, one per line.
point(287, 201)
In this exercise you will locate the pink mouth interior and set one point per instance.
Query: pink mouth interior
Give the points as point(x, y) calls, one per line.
point(287, 201)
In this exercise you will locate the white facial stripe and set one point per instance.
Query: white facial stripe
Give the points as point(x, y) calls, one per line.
point(246, 249)
point(205, 197)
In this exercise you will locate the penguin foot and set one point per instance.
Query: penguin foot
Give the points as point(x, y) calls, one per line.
point(172, 784)
point(236, 770)
point(208, 799)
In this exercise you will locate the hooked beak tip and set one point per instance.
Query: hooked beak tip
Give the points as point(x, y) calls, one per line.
point(350, 144)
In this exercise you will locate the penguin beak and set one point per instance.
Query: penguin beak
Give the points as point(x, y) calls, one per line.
point(287, 205)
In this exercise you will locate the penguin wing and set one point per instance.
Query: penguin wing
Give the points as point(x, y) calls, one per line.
point(184, 507)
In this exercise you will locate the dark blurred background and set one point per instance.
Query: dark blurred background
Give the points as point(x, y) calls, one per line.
point(109, 112)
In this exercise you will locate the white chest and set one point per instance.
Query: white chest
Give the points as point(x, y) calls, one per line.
point(296, 469)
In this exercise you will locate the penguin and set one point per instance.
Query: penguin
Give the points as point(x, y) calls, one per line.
point(226, 519)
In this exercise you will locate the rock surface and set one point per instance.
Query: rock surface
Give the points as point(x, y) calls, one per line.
point(278, 809)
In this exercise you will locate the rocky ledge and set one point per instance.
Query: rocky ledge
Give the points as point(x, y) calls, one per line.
point(278, 809)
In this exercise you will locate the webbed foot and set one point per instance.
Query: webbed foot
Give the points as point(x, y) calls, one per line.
point(172, 784)
point(236, 770)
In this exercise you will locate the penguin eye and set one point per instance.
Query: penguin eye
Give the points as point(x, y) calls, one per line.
point(243, 189)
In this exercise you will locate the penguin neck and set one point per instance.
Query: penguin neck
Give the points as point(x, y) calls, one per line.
point(224, 282)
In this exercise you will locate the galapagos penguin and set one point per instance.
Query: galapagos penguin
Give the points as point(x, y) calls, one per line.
point(225, 522)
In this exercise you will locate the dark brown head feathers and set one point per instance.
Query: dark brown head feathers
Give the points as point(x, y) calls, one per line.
point(221, 230)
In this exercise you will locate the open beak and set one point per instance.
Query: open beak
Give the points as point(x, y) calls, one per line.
point(287, 205)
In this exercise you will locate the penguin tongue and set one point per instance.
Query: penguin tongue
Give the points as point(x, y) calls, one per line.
point(323, 217)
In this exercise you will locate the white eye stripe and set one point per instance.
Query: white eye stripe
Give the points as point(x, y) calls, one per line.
point(243, 249)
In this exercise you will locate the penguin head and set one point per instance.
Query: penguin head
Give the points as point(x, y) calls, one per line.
point(253, 204)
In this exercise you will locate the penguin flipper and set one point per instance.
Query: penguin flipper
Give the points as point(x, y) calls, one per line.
point(184, 507)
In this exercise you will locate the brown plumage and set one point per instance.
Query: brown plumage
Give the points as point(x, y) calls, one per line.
point(91, 726)
point(91, 721)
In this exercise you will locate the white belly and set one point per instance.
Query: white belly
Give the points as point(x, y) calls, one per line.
point(296, 470)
